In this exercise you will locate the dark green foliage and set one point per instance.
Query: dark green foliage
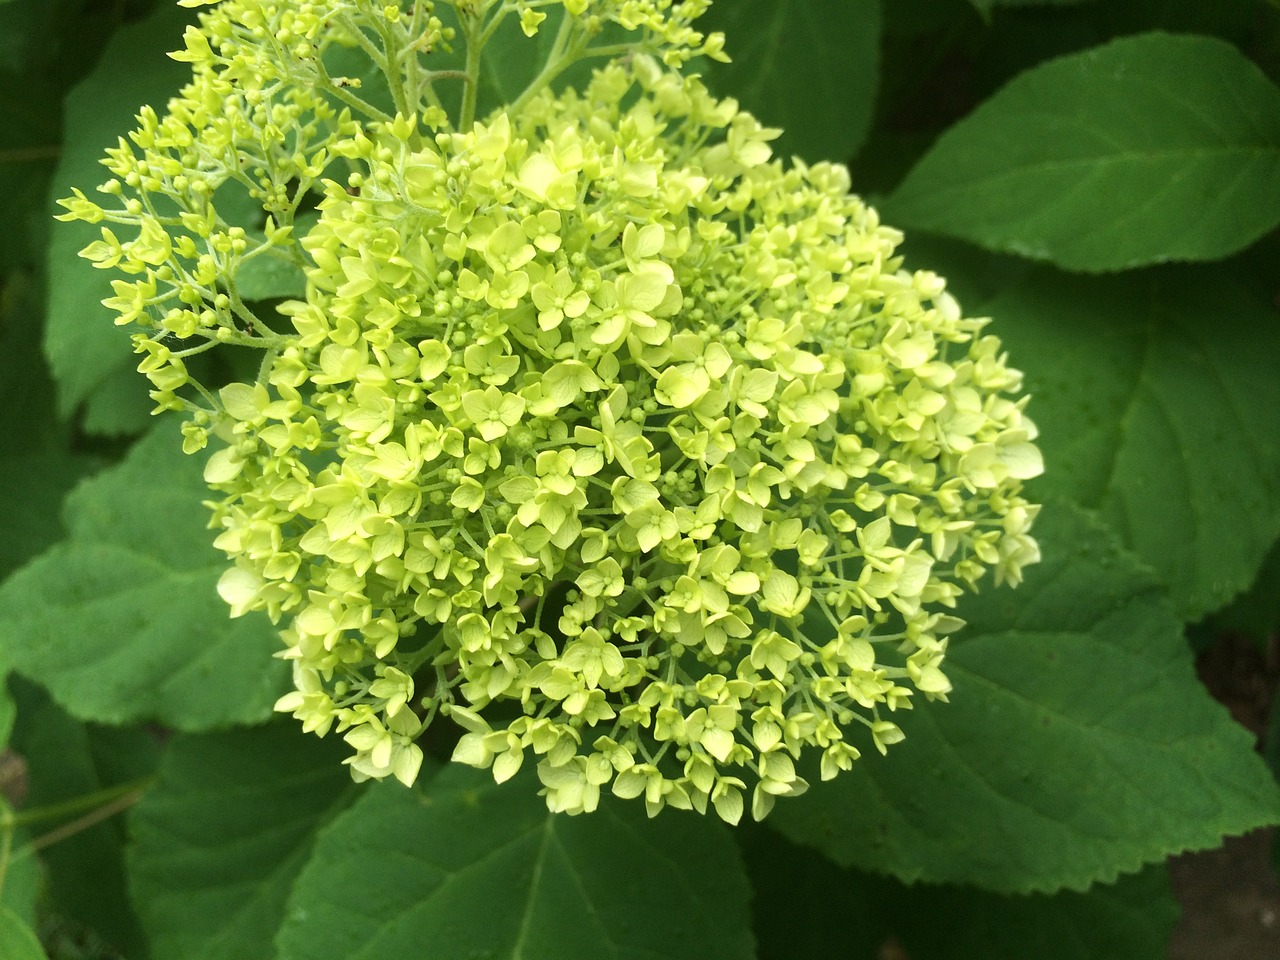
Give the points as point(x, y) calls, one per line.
point(808, 66)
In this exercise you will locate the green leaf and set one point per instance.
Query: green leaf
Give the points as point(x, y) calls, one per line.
point(67, 762)
point(119, 406)
point(808, 66)
point(1156, 398)
point(1150, 148)
point(975, 276)
point(26, 163)
point(218, 843)
point(1128, 920)
point(19, 940)
point(29, 136)
point(36, 469)
point(268, 277)
point(1254, 614)
point(465, 868)
point(1078, 743)
point(804, 906)
point(54, 42)
point(38, 482)
point(83, 345)
point(31, 424)
point(122, 622)
point(512, 61)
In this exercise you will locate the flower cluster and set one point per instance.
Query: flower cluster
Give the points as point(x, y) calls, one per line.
point(599, 430)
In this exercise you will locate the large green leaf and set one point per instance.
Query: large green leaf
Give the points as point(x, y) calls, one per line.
point(120, 406)
point(1254, 614)
point(31, 424)
point(808, 66)
point(46, 46)
point(804, 906)
point(29, 134)
point(38, 481)
point(269, 277)
point(1078, 743)
point(218, 843)
point(78, 768)
point(1128, 920)
point(18, 939)
point(83, 345)
point(122, 622)
point(1151, 148)
point(26, 163)
point(36, 468)
point(468, 869)
point(1156, 396)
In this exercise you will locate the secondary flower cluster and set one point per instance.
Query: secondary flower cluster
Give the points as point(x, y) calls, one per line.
point(598, 430)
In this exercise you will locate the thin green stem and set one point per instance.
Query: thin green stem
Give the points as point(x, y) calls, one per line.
point(268, 360)
point(475, 45)
point(613, 50)
point(346, 96)
point(491, 28)
point(421, 82)
point(432, 98)
point(66, 808)
point(90, 819)
point(565, 52)
point(194, 351)
point(446, 75)
point(260, 330)
point(363, 40)
point(414, 662)
point(393, 68)
point(356, 103)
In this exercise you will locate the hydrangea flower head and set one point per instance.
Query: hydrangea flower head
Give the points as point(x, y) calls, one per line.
point(627, 446)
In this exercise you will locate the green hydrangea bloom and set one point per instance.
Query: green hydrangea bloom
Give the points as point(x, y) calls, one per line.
point(627, 446)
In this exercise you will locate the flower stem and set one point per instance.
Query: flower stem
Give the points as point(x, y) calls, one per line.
point(475, 45)
point(100, 805)
point(564, 53)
